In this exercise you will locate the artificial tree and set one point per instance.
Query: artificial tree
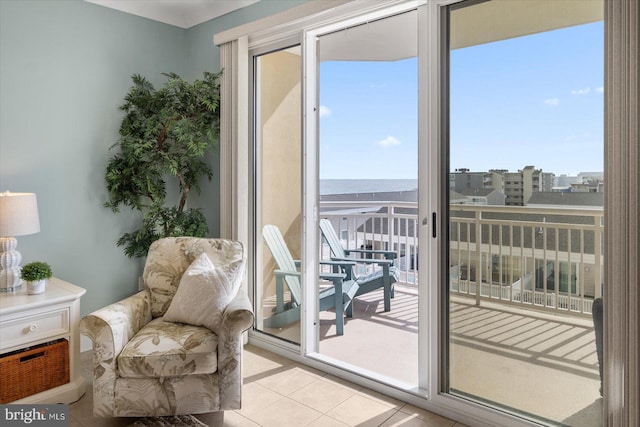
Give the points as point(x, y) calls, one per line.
point(164, 137)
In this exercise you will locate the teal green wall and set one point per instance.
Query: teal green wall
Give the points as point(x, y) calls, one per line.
point(64, 69)
point(202, 54)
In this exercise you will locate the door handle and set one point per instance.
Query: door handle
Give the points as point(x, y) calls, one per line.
point(434, 223)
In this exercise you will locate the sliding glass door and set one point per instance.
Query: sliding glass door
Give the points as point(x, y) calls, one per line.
point(277, 186)
point(367, 153)
point(459, 144)
point(526, 196)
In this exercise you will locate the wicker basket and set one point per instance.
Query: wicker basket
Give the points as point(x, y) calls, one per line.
point(34, 369)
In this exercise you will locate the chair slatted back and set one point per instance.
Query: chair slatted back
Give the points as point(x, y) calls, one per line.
point(280, 252)
point(331, 238)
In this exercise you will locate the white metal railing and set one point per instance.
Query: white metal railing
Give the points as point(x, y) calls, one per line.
point(545, 258)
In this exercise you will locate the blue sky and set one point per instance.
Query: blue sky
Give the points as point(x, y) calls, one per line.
point(534, 100)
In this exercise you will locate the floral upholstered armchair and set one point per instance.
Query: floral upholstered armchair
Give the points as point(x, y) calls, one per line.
point(175, 347)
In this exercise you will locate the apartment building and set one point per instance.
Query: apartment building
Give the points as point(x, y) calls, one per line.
point(517, 186)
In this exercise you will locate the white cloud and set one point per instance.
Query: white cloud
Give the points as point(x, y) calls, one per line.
point(552, 102)
point(389, 141)
point(583, 91)
point(324, 111)
point(600, 89)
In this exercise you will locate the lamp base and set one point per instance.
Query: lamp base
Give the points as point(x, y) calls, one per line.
point(4, 290)
point(9, 265)
point(10, 280)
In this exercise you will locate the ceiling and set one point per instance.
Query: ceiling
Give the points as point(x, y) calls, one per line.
point(180, 13)
point(396, 37)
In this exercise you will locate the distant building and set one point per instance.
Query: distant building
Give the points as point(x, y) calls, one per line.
point(521, 185)
point(495, 179)
point(518, 187)
point(463, 179)
point(588, 185)
point(485, 196)
point(589, 176)
point(456, 198)
point(565, 181)
point(585, 182)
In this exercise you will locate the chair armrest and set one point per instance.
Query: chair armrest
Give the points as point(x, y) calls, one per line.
point(344, 265)
point(386, 254)
point(238, 315)
point(388, 262)
point(340, 262)
point(111, 328)
point(283, 273)
point(236, 318)
point(333, 277)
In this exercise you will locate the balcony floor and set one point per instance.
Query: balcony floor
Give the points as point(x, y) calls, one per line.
point(541, 363)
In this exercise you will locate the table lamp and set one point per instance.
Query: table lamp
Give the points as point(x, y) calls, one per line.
point(18, 217)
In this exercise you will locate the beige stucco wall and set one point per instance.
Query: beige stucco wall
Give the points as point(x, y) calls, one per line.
point(280, 154)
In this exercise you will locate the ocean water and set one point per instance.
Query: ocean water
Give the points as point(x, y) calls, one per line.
point(347, 186)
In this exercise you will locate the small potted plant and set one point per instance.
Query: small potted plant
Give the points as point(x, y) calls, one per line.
point(36, 274)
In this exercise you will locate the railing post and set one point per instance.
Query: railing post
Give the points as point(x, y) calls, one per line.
point(597, 255)
point(478, 216)
point(391, 211)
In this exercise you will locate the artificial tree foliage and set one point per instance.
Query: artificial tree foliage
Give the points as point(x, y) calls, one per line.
point(164, 137)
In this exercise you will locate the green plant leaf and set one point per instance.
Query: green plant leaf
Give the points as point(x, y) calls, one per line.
point(164, 136)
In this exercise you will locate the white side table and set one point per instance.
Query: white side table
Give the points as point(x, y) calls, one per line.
point(28, 320)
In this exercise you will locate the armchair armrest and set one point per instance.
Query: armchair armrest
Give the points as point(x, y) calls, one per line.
point(236, 318)
point(238, 315)
point(110, 328)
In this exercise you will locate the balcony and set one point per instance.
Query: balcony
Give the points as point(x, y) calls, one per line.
point(522, 283)
point(514, 255)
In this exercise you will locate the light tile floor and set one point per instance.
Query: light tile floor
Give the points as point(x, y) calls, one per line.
point(279, 392)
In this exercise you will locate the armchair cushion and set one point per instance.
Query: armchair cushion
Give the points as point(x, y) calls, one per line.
point(204, 292)
point(166, 349)
point(168, 258)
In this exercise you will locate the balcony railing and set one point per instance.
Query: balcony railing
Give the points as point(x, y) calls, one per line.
point(543, 258)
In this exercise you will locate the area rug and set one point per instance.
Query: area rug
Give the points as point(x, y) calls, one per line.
point(175, 421)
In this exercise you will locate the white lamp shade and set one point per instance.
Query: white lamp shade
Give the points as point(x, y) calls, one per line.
point(18, 214)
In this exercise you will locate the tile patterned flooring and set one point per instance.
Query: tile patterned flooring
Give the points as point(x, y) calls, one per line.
point(279, 392)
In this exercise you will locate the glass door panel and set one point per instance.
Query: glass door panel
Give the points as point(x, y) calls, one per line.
point(278, 185)
point(368, 147)
point(526, 195)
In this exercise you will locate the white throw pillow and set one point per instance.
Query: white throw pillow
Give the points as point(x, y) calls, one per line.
point(204, 292)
